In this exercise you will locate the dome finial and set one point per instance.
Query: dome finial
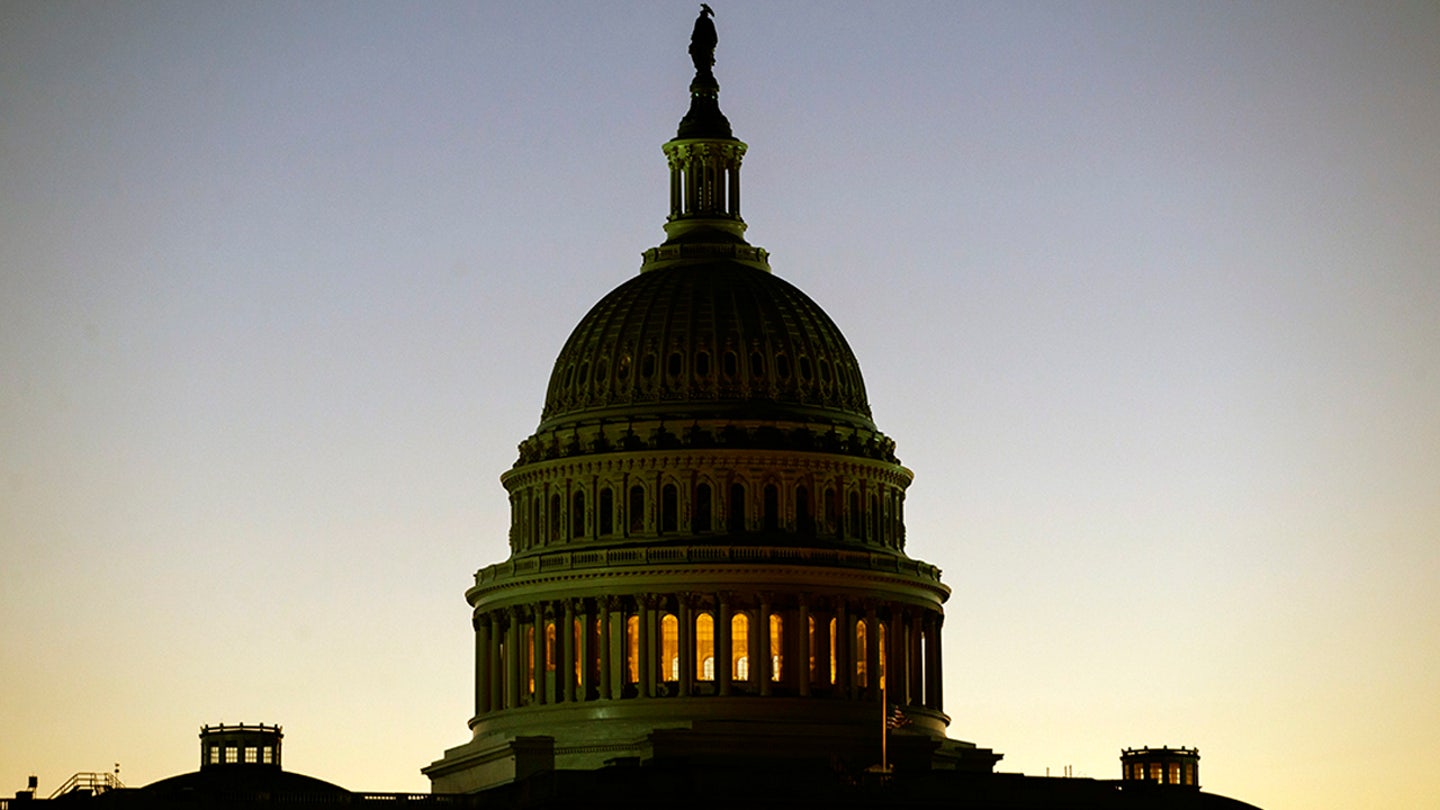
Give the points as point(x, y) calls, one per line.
point(704, 119)
point(702, 41)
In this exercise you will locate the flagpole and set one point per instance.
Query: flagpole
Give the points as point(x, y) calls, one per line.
point(884, 729)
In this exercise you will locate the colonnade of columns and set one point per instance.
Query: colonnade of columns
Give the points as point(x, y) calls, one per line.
point(653, 645)
point(705, 178)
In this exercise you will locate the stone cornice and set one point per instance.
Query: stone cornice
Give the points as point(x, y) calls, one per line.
point(703, 562)
point(711, 459)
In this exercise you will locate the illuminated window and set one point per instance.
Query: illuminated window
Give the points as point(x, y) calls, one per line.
point(252, 755)
point(670, 646)
point(549, 646)
point(1174, 773)
point(1189, 773)
point(777, 645)
point(740, 647)
point(267, 755)
point(705, 647)
point(834, 665)
point(632, 649)
point(1157, 772)
point(232, 754)
point(214, 755)
point(862, 657)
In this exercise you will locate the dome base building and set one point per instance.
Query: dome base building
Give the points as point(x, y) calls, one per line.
point(707, 538)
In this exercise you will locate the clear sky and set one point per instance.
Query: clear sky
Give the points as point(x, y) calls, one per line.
point(1148, 294)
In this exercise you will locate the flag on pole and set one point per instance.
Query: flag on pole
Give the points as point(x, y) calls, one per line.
point(896, 718)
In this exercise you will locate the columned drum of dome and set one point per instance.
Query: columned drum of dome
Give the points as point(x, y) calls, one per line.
point(707, 534)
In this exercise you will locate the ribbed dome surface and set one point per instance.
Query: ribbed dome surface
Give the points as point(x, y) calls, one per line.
point(710, 339)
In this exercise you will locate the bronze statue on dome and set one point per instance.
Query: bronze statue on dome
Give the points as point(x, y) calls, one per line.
point(702, 41)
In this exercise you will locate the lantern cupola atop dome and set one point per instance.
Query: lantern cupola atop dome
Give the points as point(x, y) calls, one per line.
point(704, 159)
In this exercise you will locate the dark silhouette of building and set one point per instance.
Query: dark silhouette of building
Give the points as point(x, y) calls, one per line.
point(709, 598)
point(709, 576)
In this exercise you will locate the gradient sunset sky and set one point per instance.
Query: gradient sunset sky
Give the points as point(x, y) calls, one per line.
point(1147, 293)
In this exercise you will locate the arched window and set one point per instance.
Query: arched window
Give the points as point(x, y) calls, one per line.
point(705, 647)
point(737, 508)
point(740, 647)
point(834, 664)
point(875, 535)
point(832, 511)
point(670, 647)
point(777, 645)
point(803, 522)
point(637, 509)
point(669, 508)
point(555, 518)
point(772, 508)
point(703, 508)
point(607, 511)
point(537, 525)
point(549, 646)
point(855, 525)
point(577, 516)
point(632, 649)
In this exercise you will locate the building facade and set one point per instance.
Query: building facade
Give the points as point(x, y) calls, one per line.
point(707, 535)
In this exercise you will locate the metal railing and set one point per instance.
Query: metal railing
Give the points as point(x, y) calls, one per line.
point(93, 783)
